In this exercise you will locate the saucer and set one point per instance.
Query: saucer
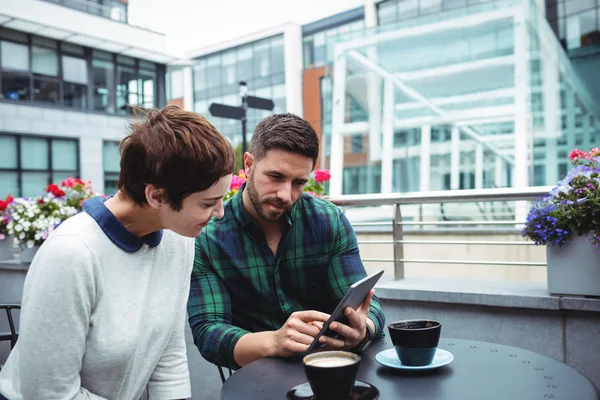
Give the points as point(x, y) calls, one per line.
point(389, 358)
point(360, 391)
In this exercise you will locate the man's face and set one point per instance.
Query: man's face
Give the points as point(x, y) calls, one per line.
point(276, 182)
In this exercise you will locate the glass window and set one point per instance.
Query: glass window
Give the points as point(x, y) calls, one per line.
point(245, 64)
point(9, 183)
point(44, 61)
point(575, 6)
point(34, 153)
point(428, 6)
point(32, 168)
point(228, 76)
point(277, 57)
point(46, 91)
point(213, 71)
point(8, 152)
point(447, 4)
point(14, 56)
point(261, 58)
point(579, 26)
point(386, 12)
point(308, 52)
point(15, 87)
point(148, 79)
point(176, 84)
point(110, 162)
point(199, 69)
point(64, 155)
point(127, 88)
point(408, 8)
point(103, 72)
point(13, 36)
point(72, 49)
point(34, 183)
point(74, 69)
point(319, 49)
point(75, 95)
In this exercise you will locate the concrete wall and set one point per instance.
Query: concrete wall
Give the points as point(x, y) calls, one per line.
point(466, 252)
point(90, 128)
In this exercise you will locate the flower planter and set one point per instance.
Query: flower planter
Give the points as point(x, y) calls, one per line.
point(574, 269)
point(7, 251)
point(27, 254)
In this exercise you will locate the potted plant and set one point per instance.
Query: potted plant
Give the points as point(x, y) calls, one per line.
point(33, 219)
point(6, 239)
point(567, 222)
point(315, 185)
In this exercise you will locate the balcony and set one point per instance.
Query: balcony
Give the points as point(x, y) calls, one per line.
point(111, 9)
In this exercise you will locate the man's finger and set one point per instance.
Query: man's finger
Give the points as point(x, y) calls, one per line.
point(316, 324)
point(366, 302)
point(311, 315)
point(331, 342)
point(301, 338)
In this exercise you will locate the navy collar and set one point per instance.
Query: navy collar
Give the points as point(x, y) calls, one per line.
point(115, 231)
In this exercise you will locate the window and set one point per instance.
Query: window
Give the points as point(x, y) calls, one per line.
point(75, 76)
point(111, 165)
point(41, 70)
point(28, 164)
point(104, 81)
point(386, 12)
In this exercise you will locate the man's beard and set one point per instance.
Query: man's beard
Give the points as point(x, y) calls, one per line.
point(260, 206)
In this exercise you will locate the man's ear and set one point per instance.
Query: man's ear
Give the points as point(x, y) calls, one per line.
point(154, 196)
point(248, 163)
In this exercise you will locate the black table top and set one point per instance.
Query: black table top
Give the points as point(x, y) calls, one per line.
point(480, 370)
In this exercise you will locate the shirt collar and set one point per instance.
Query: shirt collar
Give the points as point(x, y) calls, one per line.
point(114, 230)
point(240, 213)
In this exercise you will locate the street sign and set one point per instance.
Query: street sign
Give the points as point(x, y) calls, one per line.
point(260, 103)
point(225, 111)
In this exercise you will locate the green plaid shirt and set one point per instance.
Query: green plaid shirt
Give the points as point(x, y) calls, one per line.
point(238, 286)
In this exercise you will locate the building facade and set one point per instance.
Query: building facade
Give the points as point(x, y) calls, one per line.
point(70, 72)
point(423, 102)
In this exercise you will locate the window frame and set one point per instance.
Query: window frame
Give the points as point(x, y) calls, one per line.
point(19, 170)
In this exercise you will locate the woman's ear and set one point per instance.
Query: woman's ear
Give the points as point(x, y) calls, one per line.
point(154, 196)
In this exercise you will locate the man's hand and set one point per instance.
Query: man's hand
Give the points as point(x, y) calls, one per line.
point(355, 332)
point(298, 332)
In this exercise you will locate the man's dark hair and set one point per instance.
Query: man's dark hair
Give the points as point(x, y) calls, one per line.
point(286, 132)
point(174, 150)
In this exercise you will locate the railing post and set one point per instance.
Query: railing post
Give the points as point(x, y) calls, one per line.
point(398, 236)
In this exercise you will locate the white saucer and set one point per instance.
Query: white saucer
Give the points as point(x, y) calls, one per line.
point(389, 358)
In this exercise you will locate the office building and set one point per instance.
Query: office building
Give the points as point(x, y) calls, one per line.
point(69, 72)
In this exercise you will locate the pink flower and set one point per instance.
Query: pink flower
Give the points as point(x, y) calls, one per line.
point(236, 182)
point(2, 236)
point(322, 175)
point(595, 152)
point(575, 154)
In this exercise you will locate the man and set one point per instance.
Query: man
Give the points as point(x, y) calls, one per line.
point(268, 274)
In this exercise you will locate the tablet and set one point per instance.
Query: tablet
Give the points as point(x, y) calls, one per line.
point(353, 298)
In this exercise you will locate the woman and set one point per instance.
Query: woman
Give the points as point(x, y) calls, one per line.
point(104, 302)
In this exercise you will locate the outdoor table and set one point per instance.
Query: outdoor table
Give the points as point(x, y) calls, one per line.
point(480, 370)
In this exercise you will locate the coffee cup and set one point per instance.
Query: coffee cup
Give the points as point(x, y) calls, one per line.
point(331, 374)
point(415, 340)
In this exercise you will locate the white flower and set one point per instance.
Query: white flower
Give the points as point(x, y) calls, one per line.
point(22, 236)
point(29, 244)
point(16, 217)
point(18, 228)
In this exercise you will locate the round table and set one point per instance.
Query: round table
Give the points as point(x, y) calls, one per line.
point(480, 370)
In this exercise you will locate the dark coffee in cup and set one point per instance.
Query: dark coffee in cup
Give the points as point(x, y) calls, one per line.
point(415, 341)
point(331, 374)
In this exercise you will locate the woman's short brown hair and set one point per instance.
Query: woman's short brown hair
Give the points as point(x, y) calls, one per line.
point(174, 150)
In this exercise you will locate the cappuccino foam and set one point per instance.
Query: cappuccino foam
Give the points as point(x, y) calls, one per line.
point(331, 362)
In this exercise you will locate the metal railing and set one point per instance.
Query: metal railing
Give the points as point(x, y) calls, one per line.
point(398, 224)
point(110, 9)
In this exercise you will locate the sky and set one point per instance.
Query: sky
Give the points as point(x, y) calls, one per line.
point(192, 24)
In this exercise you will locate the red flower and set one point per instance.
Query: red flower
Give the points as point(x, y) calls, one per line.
point(40, 201)
point(58, 193)
point(575, 154)
point(322, 175)
point(51, 188)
